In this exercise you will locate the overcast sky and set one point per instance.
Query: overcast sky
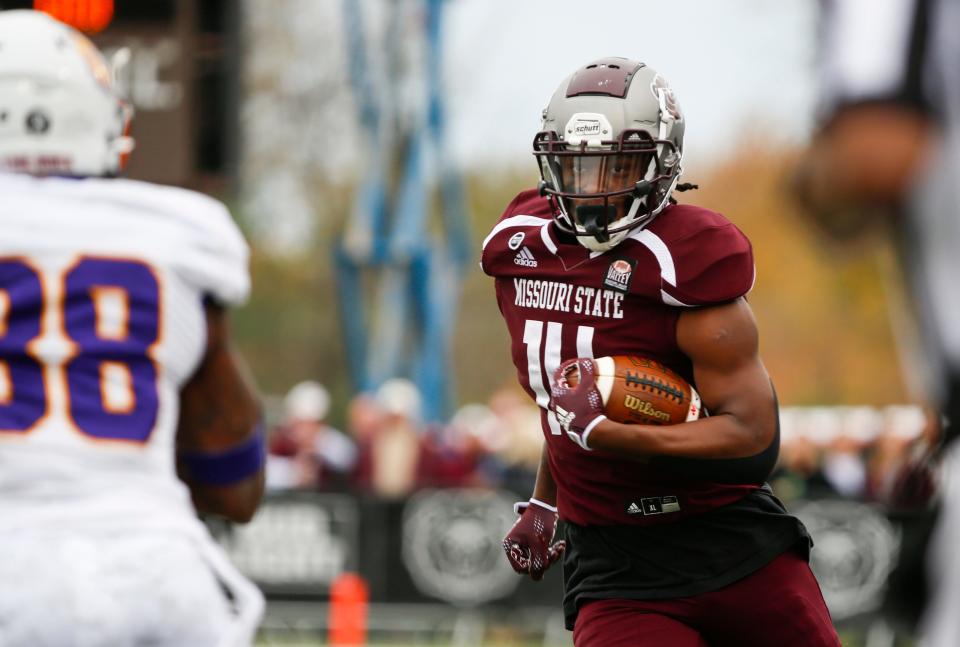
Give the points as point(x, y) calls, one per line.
point(739, 67)
point(736, 66)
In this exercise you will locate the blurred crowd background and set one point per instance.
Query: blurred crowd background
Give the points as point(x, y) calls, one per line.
point(386, 448)
point(366, 147)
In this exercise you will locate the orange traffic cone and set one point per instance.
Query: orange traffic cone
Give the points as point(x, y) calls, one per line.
point(348, 611)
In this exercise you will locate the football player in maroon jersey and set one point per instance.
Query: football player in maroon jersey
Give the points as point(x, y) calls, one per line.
point(671, 535)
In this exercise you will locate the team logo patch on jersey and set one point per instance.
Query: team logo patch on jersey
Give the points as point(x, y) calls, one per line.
point(525, 258)
point(619, 274)
point(515, 241)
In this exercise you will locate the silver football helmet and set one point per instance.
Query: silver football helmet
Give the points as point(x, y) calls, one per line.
point(610, 150)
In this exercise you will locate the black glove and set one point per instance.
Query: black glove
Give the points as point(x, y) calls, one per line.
point(529, 544)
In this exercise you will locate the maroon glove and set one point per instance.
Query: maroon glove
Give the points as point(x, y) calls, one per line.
point(529, 544)
point(575, 399)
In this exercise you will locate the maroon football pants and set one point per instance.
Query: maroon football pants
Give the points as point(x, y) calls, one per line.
point(780, 605)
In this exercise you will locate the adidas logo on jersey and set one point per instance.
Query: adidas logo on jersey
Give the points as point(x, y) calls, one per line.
point(654, 505)
point(525, 257)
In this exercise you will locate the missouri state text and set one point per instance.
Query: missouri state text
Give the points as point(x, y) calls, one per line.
point(561, 297)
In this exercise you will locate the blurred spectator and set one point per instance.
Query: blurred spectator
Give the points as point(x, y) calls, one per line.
point(804, 435)
point(844, 466)
point(522, 438)
point(849, 452)
point(905, 432)
point(388, 429)
point(305, 452)
point(464, 452)
point(798, 474)
point(364, 419)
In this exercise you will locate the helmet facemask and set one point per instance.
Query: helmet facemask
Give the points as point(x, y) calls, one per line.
point(604, 189)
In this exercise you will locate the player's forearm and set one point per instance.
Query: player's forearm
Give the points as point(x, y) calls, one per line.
point(719, 436)
point(545, 489)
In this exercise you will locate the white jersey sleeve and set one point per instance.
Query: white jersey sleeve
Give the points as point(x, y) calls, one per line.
point(218, 258)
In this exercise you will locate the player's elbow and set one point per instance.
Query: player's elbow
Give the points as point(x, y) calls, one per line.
point(237, 503)
point(240, 511)
point(756, 436)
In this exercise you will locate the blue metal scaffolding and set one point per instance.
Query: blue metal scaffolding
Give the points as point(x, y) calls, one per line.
point(399, 277)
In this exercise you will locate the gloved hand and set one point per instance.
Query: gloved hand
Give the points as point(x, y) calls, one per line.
point(575, 399)
point(529, 544)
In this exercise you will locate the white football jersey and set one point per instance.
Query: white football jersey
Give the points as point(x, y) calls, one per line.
point(102, 289)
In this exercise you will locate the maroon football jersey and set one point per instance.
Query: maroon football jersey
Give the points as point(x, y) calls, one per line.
point(561, 300)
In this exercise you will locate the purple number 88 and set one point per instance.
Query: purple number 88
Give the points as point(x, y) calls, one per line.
point(124, 348)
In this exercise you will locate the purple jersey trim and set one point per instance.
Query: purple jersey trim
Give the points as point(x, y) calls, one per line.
point(229, 466)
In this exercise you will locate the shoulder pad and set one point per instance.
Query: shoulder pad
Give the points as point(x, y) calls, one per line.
point(215, 255)
point(526, 211)
point(704, 258)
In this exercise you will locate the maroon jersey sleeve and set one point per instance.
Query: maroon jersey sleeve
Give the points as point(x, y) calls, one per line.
point(712, 259)
point(526, 213)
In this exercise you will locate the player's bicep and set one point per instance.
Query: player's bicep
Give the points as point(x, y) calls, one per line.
point(219, 404)
point(722, 342)
point(218, 442)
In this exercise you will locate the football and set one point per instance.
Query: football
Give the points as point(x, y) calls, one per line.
point(636, 390)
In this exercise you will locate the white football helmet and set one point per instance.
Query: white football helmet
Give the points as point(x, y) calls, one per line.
point(59, 111)
point(610, 150)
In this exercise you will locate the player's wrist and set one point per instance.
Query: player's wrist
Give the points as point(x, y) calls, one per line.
point(520, 506)
point(589, 429)
point(603, 432)
point(543, 504)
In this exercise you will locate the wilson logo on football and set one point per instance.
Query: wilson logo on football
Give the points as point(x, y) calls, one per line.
point(525, 258)
point(645, 408)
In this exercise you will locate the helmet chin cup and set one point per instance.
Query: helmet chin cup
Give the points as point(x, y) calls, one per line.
point(594, 219)
point(595, 245)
